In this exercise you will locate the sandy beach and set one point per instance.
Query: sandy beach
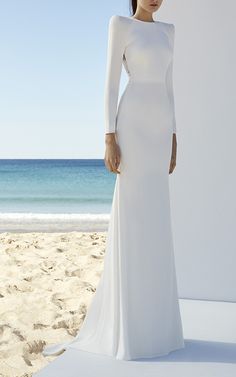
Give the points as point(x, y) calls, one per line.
point(47, 283)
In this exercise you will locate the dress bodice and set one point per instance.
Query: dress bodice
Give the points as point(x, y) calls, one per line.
point(148, 49)
point(145, 49)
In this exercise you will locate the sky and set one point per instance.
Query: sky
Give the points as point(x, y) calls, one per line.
point(52, 76)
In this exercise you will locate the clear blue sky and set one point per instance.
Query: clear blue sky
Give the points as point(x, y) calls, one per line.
point(52, 72)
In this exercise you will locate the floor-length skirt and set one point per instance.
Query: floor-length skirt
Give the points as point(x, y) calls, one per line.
point(135, 310)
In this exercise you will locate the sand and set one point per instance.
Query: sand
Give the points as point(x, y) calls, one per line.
point(46, 285)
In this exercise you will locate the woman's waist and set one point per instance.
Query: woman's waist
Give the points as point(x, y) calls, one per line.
point(144, 88)
point(147, 94)
point(145, 81)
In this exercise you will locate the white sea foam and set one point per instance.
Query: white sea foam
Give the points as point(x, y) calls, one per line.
point(47, 222)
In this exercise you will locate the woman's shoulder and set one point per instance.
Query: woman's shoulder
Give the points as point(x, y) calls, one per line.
point(169, 29)
point(169, 26)
point(119, 23)
point(122, 20)
point(118, 19)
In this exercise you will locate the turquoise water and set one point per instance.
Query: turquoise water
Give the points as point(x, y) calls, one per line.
point(77, 186)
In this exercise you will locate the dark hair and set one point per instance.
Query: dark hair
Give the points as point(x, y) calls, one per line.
point(133, 4)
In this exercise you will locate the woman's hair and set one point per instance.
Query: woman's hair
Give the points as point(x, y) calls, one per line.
point(133, 4)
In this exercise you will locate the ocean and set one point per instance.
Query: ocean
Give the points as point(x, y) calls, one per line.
point(55, 194)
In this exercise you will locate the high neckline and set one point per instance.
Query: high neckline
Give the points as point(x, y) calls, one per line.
point(144, 22)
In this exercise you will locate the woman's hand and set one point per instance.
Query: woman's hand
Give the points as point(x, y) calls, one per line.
point(112, 153)
point(173, 154)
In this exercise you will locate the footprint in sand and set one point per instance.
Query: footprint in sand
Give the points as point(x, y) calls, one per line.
point(60, 250)
point(89, 287)
point(64, 239)
point(12, 288)
point(77, 272)
point(39, 326)
point(31, 348)
point(94, 236)
point(46, 266)
point(97, 255)
point(58, 300)
point(36, 346)
point(18, 334)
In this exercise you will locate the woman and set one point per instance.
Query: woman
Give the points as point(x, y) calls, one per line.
point(135, 310)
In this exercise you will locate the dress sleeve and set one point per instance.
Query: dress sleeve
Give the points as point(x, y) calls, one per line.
point(115, 50)
point(169, 77)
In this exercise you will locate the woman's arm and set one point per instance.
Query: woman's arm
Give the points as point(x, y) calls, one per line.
point(169, 77)
point(115, 50)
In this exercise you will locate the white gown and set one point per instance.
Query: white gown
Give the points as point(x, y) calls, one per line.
point(135, 310)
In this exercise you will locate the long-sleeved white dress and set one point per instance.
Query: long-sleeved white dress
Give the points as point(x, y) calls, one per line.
point(135, 310)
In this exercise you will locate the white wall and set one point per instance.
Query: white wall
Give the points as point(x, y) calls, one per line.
point(203, 186)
